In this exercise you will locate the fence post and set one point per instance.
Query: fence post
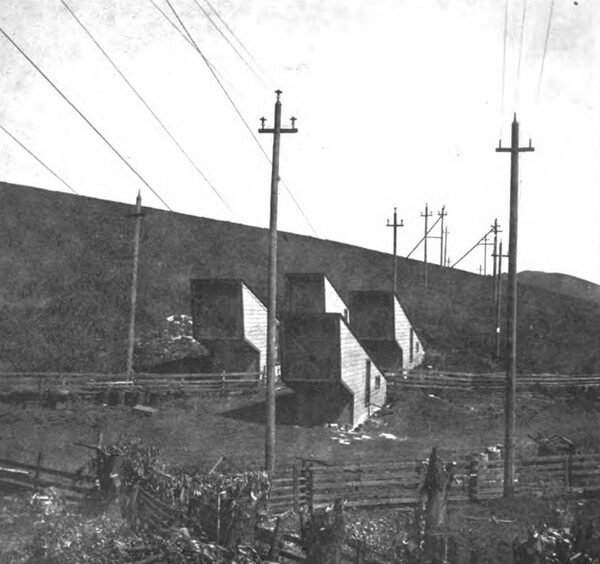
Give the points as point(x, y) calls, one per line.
point(473, 477)
point(38, 468)
point(568, 472)
point(275, 548)
point(295, 485)
point(310, 484)
point(360, 552)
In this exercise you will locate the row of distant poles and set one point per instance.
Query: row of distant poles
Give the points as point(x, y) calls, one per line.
point(484, 242)
point(498, 255)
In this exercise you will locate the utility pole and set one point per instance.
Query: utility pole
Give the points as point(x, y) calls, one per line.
point(446, 259)
point(426, 215)
point(511, 361)
point(138, 214)
point(442, 214)
point(495, 230)
point(395, 226)
point(277, 130)
point(485, 245)
point(498, 298)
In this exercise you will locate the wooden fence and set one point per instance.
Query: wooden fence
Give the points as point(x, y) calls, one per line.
point(396, 484)
point(314, 483)
point(489, 382)
point(542, 475)
point(89, 384)
point(22, 476)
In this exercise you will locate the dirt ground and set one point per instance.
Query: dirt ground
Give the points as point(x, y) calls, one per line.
point(197, 431)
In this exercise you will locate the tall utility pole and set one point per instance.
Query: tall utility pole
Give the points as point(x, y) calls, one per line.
point(498, 297)
point(446, 259)
point(138, 214)
point(426, 215)
point(495, 230)
point(395, 226)
point(511, 326)
point(277, 130)
point(485, 245)
point(442, 214)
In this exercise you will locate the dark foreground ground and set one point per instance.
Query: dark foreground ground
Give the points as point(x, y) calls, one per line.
point(198, 431)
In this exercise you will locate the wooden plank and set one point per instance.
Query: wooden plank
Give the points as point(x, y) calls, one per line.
point(365, 484)
point(70, 475)
point(365, 467)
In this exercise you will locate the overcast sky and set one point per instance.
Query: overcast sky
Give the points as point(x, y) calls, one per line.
point(399, 103)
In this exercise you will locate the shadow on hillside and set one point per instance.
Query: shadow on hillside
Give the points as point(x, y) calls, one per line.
point(286, 411)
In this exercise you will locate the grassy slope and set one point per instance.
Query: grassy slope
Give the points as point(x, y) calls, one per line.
point(66, 268)
point(562, 283)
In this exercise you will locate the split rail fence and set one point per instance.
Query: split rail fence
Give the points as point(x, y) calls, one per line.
point(75, 486)
point(489, 382)
point(89, 384)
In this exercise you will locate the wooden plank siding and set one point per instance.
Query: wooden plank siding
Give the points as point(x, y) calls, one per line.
point(255, 324)
point(402, 330)
point(353, 359)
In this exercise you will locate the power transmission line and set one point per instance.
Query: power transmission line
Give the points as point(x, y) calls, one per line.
point(504, 58)
point(146, 105)
point(234, 35)
point(185, 38)
point(82, 116)
point(208, 16)
point(548, 27)
point(237, 111)
point(38, 159)
point(523, 17)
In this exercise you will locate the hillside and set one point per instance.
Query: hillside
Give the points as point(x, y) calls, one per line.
point(562, 284)
point(66, 269)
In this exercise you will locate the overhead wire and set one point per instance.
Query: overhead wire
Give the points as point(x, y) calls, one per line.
point(147, 106)
point(185, 38)
point(82, 116)
point(504, 60)
point(233, 34)
point(23, 146)
point(237, 111)
point(233, 47)
point(523, 18)
point(424, 236)
point(471, 249)
point(546, 41)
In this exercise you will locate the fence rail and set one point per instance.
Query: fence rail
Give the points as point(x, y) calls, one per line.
point(489, 381)
point(543, 475)
point(92, 383)
point(20, 475)
point(398, 484)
